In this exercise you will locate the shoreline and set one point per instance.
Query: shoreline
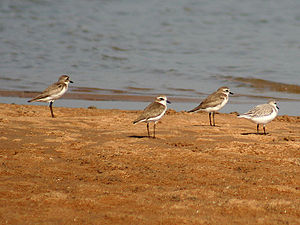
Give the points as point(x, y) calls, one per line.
point(94, 97)
point(44, 107)
point(237, 103)
point(123, 97)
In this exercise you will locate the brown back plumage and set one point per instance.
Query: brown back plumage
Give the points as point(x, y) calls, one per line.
point(53, 88)
point(212, 100)
point(151, 111)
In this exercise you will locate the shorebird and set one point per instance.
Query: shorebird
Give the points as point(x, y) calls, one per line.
point(213, 103)
point(53, 92)
point(153, 112)
point(262, 114)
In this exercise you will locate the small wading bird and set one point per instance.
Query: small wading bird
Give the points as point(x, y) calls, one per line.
point(53, 92)
point(262, 114)
point(213, 103)
point(153, 112)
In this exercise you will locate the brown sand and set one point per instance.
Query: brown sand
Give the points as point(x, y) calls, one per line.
point(92, 166)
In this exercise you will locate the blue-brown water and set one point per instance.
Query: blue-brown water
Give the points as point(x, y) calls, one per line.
point(179, 48)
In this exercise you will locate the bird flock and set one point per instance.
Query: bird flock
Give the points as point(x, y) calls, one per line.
point(260, 114)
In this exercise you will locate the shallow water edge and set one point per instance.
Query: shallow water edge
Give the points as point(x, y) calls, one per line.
point(237, 103)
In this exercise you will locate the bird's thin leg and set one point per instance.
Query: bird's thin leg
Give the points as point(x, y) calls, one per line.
point(154, 129)
point(148, 129)
point(209, 115)
point(257, 129)
point(264, 129)
point(214, 118)
point(51, 110)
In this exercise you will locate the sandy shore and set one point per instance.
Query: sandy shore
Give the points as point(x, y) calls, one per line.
point(92, 166)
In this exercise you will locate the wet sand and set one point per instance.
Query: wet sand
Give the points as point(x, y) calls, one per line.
point(93, 166)
point(261, 84)
point(94, 96)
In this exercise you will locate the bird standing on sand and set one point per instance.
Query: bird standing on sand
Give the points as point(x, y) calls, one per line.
point(53, 92)
point(262, 114)
point(213, 103)
point(153, 112)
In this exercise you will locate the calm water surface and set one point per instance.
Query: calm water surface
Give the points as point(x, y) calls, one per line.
point(179, 48)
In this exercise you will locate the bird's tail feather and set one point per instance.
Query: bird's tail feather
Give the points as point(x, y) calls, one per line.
point(136, 121)
point(193, 110)
point(33, 99)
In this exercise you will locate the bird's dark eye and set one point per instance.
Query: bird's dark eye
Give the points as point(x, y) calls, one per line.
point(161, 99)
point(227, 90)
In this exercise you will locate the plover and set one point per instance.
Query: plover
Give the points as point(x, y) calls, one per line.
point(262, 114)
point(213, 103)
point(153, 112)
point(53, 92)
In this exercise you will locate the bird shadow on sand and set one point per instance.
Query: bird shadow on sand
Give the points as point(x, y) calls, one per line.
point(254, 133)
point(140, 136)
point(204, 125)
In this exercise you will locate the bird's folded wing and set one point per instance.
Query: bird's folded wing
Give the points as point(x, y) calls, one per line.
point(260, 110)
point(152, 110)
point(51, 90)
point(211, 101)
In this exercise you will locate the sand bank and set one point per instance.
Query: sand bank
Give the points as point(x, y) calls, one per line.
point(92, 166)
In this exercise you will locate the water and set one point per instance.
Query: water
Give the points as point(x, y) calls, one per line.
point(179, 48)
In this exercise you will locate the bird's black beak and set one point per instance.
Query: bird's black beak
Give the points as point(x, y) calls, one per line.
point(71, 81)
point(277, 107)
point(168, 102)
point(231, 93)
